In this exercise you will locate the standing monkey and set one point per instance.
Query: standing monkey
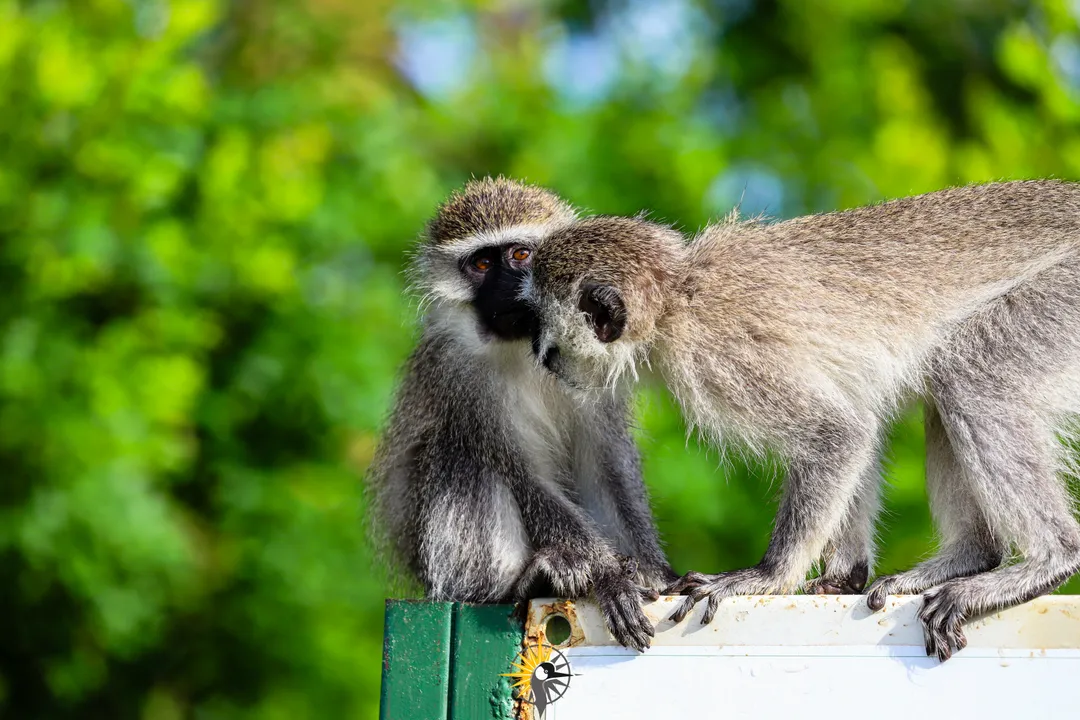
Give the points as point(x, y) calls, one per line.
point(807, 336)
point(492, 482)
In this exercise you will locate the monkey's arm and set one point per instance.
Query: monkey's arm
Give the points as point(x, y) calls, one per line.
point(484, 530)
point(571, 555)
point(621, 466)
point(829, 454)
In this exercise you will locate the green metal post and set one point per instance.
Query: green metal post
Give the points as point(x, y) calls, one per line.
point(486, 639)
point(416, 660)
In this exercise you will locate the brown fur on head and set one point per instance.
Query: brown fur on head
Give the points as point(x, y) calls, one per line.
point(602, 285)
point(494, 204)
point(486, 212)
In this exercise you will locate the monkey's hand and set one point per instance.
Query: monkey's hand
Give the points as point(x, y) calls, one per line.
point(620, 596)
point(942, 616)
point(698, 586)
point(655, 576)
point(559, 570)
point(567, 572)
point(839, 583)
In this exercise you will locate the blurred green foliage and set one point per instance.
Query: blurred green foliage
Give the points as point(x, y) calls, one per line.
point(204, 210)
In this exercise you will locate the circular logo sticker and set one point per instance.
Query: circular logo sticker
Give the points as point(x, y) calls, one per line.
point(543, 676)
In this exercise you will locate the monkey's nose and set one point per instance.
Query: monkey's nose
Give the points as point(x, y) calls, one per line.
point(550, 358)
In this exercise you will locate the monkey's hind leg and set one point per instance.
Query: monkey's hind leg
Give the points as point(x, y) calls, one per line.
point(850, 556)
point(1001, 386)
point(968, 547)
point(1012, 457)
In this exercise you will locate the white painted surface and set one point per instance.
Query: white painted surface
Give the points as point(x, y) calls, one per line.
point(798, 656)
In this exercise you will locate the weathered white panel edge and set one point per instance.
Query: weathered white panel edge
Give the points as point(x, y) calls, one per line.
point(818, 620)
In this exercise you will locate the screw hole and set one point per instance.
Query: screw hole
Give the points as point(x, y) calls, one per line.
point(557, 629)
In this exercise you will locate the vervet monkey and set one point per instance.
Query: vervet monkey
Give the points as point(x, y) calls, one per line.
point(806, 336)
point(493, 482)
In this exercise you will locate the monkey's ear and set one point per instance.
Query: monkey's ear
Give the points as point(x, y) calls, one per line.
point(606, 310)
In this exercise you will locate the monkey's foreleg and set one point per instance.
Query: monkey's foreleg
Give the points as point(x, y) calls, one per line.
point(624, 483)
point(821, 480)
point(571, 558)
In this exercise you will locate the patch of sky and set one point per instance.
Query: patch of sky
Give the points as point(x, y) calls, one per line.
point(1065, 51)
point(665, 37)
point(753, 189)
point(582, 66)
point(436, 56)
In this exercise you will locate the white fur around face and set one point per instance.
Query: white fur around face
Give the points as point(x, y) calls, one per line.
point(438, 268)
point(586, 364)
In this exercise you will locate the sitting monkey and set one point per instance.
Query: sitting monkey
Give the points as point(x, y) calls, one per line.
point(492, 481)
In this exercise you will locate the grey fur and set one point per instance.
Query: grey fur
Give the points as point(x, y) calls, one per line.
point(493, 483)
point(807, 336)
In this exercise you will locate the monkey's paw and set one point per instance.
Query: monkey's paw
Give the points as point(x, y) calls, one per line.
point(656, 577)
point(881, 589)
point(619, 597)
point(698, 586)
point(942, 616)
point(831, 586)
point(560, 570)
point(830, 583)
point(905, 583)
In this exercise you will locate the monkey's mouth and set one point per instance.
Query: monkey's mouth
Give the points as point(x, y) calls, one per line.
point(550, 360)
point(547, 356)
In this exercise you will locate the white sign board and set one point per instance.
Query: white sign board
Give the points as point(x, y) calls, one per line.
point(807, 656)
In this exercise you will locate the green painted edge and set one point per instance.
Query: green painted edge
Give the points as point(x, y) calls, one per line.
point(416, 660)
point(486, 640)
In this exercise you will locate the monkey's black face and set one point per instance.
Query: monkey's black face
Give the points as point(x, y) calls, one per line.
point(497, 273)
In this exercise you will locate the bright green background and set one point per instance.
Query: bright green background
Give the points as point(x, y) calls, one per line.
point(205, 208)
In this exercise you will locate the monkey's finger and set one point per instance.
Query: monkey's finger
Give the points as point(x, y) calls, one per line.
point(648, 594)
point(686, 582)
point(644, 636)
point(618, 627)
point(929, 610)
point(636, 637)
point(959, 639)
point(938, 644)
point(639, 618)
point(878, 592)
point(679, 585)
point(640, 626)
point(710, 609)
point(944, 649)
point(683, 610)
point(633, 618)
point(612, 616)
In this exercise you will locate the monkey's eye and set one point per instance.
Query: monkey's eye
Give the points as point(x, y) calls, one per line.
point(483, 264)
point(519, 257)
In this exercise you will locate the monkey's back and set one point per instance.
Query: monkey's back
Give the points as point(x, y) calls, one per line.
point(872, 292)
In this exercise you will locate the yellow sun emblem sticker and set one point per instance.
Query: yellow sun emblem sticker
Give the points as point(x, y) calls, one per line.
point(543, 676)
